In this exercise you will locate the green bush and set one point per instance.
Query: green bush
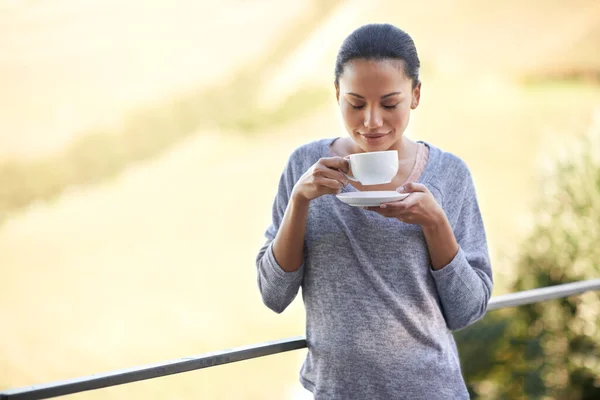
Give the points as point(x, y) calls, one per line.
point(548, 350)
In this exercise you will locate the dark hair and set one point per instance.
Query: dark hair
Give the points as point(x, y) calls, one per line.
point(379, 42)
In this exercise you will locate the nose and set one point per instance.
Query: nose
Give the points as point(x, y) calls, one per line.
point(373, 118)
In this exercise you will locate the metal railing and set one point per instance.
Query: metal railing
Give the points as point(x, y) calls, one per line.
point(98, 381)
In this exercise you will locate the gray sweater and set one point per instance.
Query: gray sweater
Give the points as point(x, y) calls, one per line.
point(378, 317)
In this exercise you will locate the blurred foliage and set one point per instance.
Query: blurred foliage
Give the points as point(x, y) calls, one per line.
point(147, 133)
point(548, 350)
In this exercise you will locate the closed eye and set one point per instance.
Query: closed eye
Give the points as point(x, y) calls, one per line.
point(391, 107)
point(357, 107)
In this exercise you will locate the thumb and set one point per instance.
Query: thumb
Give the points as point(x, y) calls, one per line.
point(412, 187)
point(404, 188)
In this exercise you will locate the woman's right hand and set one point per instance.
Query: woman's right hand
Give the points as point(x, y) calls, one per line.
point(324, 177)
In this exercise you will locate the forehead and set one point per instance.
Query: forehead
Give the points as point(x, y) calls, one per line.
point(370, 76)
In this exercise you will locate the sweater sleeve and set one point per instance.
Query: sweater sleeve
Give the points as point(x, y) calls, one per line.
point(278, 287)
point(465, 284)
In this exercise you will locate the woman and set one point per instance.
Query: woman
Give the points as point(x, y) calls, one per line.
point(383, 287)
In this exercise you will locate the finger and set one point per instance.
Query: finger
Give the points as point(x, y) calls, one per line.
point(383, 212)
point(406, 217)
point(412, 187)
point(401, 205)
point(386, 213)
point(331, 174)
point(328, 183)
point(379, 210)
point(326, 190)
point(336, 163)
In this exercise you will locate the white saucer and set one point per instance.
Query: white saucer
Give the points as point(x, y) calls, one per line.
point(370, 199)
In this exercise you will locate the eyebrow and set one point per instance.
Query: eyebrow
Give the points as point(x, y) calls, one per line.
point(383, 97)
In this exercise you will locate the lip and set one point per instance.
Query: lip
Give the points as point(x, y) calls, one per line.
point(374, 135)
point(374, 138)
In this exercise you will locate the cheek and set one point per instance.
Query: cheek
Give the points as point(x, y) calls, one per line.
point(399, 117)
point(351, 117)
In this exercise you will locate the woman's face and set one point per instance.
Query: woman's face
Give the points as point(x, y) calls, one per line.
point(376, 98)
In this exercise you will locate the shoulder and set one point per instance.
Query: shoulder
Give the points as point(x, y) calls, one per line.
point(309, 153)
point(449, 169)
point(451, 176)
point(452, 165)
point(302, 158)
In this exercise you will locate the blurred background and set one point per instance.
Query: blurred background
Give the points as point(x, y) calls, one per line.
point(141, 143)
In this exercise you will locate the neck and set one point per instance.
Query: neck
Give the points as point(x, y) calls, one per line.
point(406, 148)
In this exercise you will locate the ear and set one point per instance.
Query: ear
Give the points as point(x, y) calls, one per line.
point(416, 96)
point(337, 92)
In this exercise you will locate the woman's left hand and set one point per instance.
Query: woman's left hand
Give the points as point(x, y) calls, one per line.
point(420, 207)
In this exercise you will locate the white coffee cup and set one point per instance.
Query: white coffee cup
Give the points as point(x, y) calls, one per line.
point(373, 168)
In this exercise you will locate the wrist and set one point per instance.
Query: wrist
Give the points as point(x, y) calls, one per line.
point(297, 200)
point(437, 222)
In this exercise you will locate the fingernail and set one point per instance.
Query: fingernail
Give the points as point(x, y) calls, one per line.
point(383, 206)
point(400, 189)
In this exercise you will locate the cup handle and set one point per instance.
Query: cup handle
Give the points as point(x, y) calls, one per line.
point(351, 177)
point(348, 175)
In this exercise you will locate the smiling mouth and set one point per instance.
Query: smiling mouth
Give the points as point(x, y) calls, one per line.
point(373, 135)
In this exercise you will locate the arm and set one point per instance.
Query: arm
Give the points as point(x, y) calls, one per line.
point(288, 246)
point(280, 261)
point(441, 241)
point(460, 261)
point(459, 258)
point(279, 284)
